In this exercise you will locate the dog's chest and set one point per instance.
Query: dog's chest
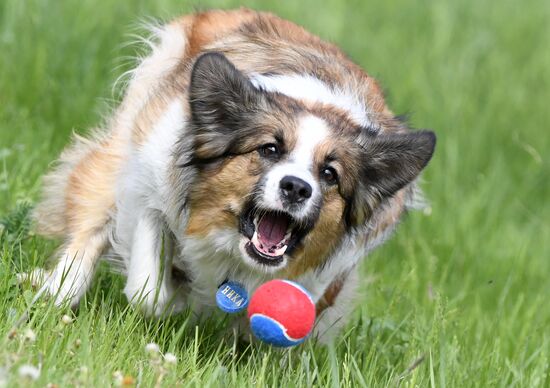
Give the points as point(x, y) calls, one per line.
point(209, 262)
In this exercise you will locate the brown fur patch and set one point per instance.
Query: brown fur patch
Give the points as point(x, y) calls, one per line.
point(217, 198)
point(90, 193)
point(206, 27)
point(331, 293)
point(322, 239)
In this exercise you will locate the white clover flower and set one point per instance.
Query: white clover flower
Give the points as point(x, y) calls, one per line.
point(170, 358)
point(118, 377)
point(66, 320)
point(29, 372)
point(29, 335)
point(152, 348)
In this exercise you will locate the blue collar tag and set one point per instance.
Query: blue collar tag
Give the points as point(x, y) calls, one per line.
point(231, 297)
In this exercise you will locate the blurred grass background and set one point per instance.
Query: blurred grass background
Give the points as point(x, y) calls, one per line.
point(458, 297)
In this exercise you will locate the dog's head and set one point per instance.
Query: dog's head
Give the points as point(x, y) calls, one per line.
point(289, 178)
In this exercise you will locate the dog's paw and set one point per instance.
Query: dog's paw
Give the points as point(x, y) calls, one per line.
point(34, 278)
point(156, 302)
point(63, 286)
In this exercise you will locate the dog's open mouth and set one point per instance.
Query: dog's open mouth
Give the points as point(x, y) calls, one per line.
point(271, 235)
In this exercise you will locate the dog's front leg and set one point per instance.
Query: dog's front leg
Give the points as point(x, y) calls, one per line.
point(334, 307)
point(149, 284)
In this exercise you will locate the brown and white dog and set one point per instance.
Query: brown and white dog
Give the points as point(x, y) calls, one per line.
point(246, 149)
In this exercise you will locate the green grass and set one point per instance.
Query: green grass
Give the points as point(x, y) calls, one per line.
point(459, 297)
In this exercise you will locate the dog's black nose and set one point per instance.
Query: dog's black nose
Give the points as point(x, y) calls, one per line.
point(294, 189)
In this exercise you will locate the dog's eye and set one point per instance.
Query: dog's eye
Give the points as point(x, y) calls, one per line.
point(269, 150)
point(329, 175)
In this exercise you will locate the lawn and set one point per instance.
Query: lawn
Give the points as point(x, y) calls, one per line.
point(458, 297)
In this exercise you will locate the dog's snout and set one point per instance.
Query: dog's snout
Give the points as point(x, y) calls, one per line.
point(294, 189)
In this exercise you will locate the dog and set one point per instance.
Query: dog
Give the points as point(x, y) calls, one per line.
point(245, 149)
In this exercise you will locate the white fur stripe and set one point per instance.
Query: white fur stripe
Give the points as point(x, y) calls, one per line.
point(312, 131)
point(309, 88)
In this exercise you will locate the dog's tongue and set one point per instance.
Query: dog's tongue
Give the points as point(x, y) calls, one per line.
point(272, 229)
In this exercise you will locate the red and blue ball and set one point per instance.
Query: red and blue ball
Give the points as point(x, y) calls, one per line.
point(281, 313)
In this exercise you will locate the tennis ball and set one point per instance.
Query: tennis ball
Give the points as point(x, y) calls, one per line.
point(281, 313)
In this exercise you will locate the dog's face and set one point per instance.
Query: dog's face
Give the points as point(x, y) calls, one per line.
point(288, 177)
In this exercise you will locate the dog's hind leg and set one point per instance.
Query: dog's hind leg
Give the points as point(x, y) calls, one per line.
point(73, 273)
point(78, 205)
point(79, 199)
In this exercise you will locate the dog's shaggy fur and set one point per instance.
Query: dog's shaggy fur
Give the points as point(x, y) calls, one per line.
point(245, 149)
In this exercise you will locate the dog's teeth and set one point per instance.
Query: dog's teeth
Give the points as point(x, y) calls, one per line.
point(255, 240)
point(275, 250)
point(281, 251)
point(288, 234)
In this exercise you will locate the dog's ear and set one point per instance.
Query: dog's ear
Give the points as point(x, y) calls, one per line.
point(221, 97)
point(389, 163)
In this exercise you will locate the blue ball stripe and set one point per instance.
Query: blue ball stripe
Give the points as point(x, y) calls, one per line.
point(269, 330)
